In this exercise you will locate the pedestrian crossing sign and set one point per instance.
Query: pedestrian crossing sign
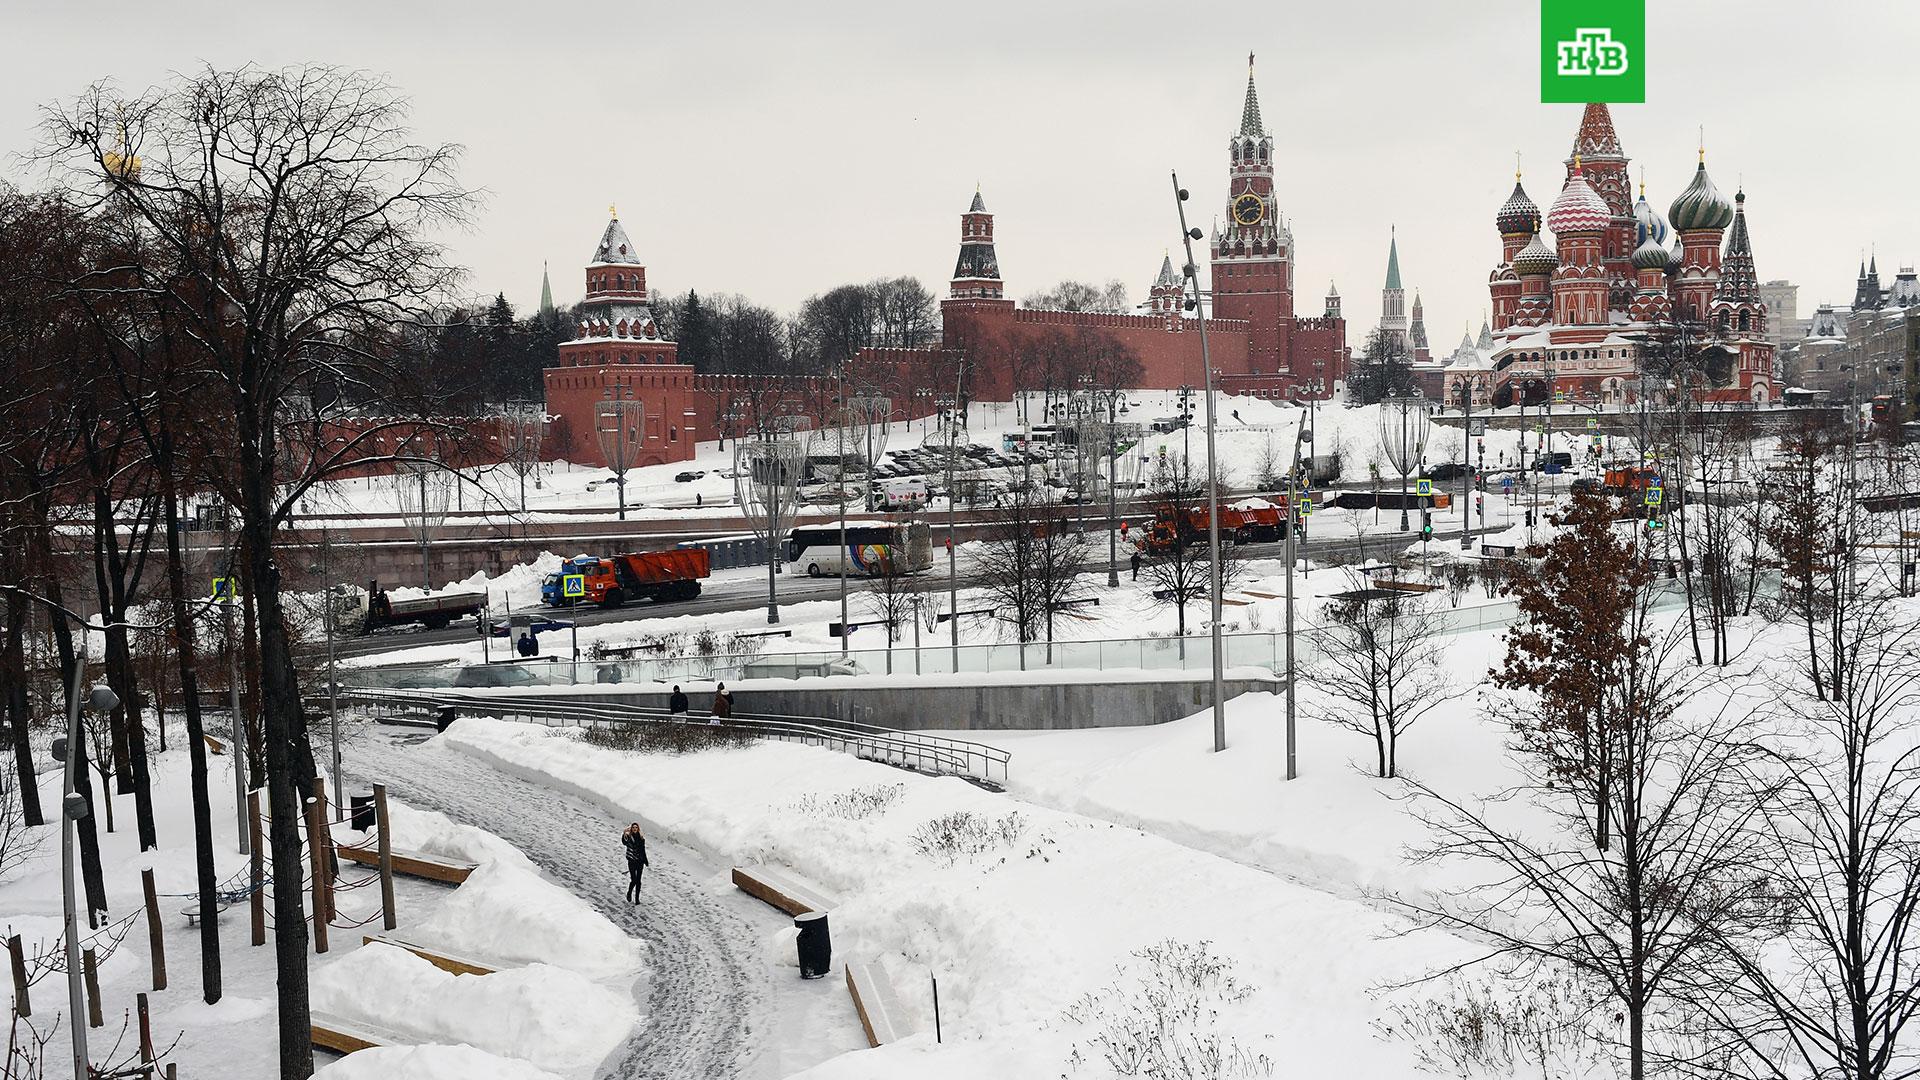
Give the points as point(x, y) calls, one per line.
point(1306, 507)
point(1423, 487)
point(1653, 496)
point(1592, 422)
point(223, 588)
point(573, 585)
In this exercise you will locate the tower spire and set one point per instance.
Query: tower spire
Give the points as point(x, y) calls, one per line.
point(546, 290)
point(1250, 125)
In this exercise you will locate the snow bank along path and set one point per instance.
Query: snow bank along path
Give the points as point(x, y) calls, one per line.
point(706, 996)
point(1020, 917)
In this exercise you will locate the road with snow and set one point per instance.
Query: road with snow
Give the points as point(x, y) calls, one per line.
point(707, 998)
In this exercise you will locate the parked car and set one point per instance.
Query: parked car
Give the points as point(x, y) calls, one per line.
point(689, 476)
point(1559, 459)
point(497, 675)
point(1449, 470)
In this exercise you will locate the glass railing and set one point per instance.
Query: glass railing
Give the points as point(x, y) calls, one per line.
point(1193, 653)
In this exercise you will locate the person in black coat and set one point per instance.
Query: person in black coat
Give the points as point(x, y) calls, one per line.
point(677, 703)
point(636, 846)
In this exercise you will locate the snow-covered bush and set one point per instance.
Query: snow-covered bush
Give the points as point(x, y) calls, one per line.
point(663, 738)
point(1162, 1018)
point(1479, 1028)
point(964, 834)
point(855, 805)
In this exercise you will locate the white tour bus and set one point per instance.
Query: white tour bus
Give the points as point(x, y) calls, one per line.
point(872, 547)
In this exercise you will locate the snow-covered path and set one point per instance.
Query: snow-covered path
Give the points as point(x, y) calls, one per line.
point(708, 999)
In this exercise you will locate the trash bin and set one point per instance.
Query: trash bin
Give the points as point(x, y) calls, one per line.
point(816, 947)
point(363, 813)
point(444, 718)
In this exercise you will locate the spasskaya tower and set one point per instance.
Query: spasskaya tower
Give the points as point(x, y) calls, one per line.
point(1253, 251)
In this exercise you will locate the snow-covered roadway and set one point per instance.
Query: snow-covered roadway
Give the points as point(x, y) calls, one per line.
point(707, 1000)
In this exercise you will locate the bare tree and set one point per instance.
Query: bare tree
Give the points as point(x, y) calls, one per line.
point(1180, 567)
point(1807, 530)
point(1029, 562)
point(1380, 666)
point(292, 212)
point(892, 594)
point(1827, 984)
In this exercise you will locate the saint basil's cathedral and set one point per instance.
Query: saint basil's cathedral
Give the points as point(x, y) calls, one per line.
point(1259, 346)
point(1621, 292)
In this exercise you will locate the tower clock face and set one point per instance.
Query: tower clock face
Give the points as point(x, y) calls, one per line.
point(1249, 208)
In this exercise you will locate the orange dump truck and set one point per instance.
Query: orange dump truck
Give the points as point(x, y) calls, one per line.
point(642, 575)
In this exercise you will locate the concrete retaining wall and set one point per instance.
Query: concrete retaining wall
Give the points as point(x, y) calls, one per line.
point(1033, 704)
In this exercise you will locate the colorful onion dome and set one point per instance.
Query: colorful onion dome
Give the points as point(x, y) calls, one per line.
point(1535, 258)
point(1650, 255)
point(1647, 223)
point(1700, 206)
point(1519, 214)
point(1579, 208)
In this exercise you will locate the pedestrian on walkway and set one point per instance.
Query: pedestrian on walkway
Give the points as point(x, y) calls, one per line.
point(677, 703)
point(1135, 563)
point(636, 846)
point(525, 646)
point(722, 704)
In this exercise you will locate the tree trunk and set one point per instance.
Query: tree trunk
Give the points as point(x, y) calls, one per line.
point(208, 884)
point(18, 708)
point(106, 577)
point(90, 875)
point(283, 726)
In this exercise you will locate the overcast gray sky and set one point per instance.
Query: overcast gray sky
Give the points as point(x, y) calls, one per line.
point(779, 149)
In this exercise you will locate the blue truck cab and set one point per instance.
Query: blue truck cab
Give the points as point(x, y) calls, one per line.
point(550, 593)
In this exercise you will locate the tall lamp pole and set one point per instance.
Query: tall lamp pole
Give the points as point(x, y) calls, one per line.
point(1466, 465)
point(1187, 237)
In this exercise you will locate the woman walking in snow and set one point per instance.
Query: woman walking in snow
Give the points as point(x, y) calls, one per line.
point(636, 846)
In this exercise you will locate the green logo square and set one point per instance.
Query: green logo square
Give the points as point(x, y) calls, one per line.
point(1593, 50)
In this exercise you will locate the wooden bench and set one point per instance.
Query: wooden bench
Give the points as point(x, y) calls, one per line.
point(411, 864)
point(873, 998)
point(346, 1036)
point(447, 962)
point(783, 891)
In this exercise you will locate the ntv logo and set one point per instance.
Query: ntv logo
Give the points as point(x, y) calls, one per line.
point(1592, 52)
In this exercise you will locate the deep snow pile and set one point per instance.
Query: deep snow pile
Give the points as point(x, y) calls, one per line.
point(550, 1016)
point(430, 1062)
point(506, 913)
point(1021, 911)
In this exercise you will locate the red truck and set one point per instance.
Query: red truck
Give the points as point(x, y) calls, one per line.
point(641, 575)
point(1249, 521)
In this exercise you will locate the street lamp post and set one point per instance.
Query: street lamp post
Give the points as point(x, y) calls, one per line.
point(1466, 385)
point(73, 807)
point(1192, 271)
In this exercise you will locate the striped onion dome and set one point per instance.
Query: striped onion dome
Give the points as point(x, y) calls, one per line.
point(1519, 215)
point(1673, 258)
point(1651, 232)
point(1700, 206)
point(1535, 258)
point(1579, 208)
point(1647, 223)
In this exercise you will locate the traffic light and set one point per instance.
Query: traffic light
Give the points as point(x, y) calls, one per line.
point(1426, 525)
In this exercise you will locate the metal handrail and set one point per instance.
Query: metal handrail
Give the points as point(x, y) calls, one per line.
point(932, 754)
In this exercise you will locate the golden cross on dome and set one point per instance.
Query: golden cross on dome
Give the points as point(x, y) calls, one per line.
point(611, 212)
point(1516, 166)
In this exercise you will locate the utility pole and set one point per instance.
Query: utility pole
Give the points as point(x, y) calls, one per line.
point(1113, 527)
point(1294, 519)
point(1466, 467)
point(1187, 237)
